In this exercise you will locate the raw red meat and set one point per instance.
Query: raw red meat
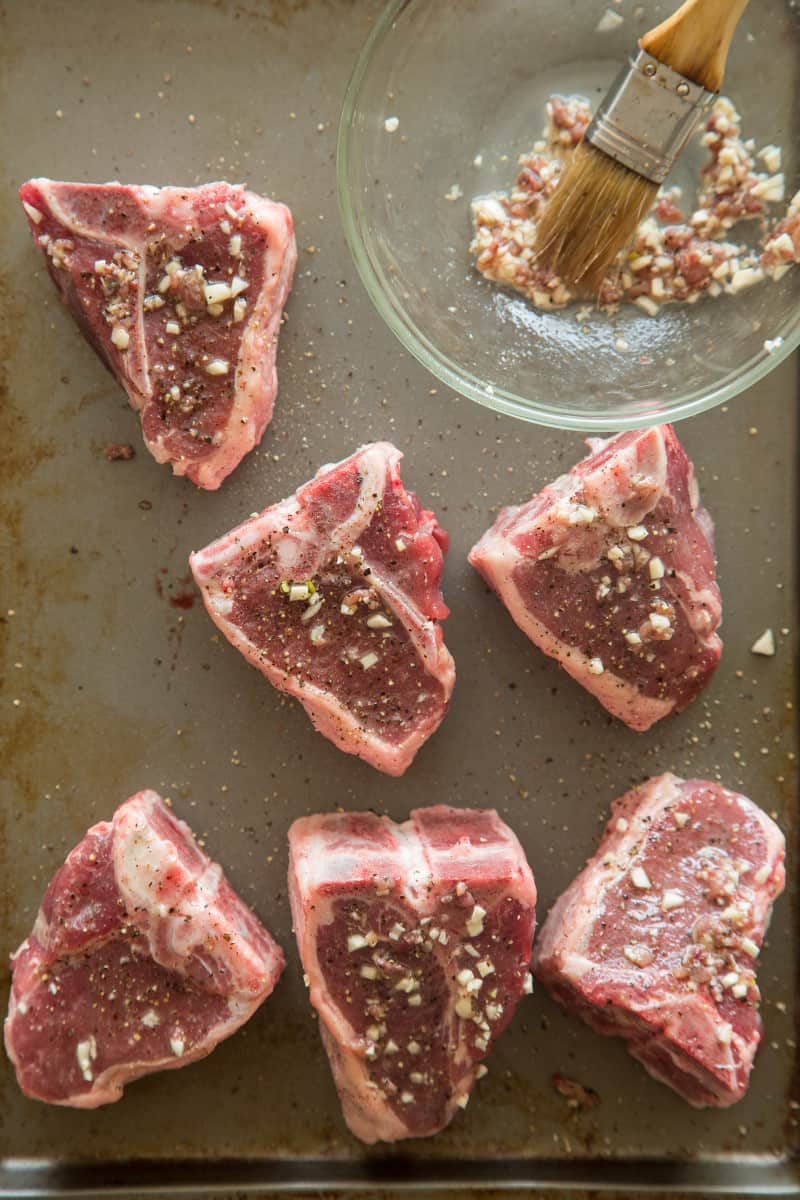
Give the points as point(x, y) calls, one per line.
point(610, 570)
point(415, 940)
point(656, 940)
point(142, 959)
point(180, 291)
point(334, 596)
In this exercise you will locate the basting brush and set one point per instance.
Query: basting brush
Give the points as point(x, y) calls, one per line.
point(645, 121)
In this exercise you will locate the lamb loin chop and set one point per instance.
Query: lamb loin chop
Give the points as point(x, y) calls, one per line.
point(334, 595)
point(656, 941)
point(610, 570)
point(142, 959)
point(415, 941)
point(180, 291)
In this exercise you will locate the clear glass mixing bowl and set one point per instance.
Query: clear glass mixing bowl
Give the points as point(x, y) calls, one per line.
point(466, 82)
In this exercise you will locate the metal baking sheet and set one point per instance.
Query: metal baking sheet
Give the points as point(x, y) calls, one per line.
point(116, 680)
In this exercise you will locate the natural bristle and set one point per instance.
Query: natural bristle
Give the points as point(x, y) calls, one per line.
point(592, 215)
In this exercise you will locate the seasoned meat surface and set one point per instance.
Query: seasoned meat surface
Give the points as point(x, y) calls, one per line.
point(416, 940)
point(142, 959)
point(610, 570)
point(658, 938)
point(334, 596)
point(181, 292)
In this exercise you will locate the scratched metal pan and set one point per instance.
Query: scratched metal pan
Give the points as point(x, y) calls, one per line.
point(115, 679)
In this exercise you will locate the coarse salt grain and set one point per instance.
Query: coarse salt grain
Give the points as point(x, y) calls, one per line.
point(672, 899)
point(640, 879)
point(772, 189)
point(610, 20)
point(596, 666)
point(216, 293)
point(120, 337)
point(379, 621)
point(647, 305)
point(391, 124)
point(745, 278)
point(86, 1053)
point(582, 514)
point(764, 645)
point(771, 158)
point(217, 366)
point(315, 604)
point(474, 924)
point(640, 956)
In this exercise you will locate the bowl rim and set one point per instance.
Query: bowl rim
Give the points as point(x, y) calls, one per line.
point(426, 352)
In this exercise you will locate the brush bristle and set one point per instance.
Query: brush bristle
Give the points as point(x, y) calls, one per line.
point(592, 215)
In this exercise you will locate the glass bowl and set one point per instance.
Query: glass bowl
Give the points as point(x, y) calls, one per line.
point(445, 96)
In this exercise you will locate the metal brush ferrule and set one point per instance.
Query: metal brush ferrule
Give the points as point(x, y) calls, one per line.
point(648, 116)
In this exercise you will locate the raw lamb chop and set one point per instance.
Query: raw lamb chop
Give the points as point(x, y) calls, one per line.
point(180, 291)
point(142, 959)
point(334, 596)
point(416, 941)
point(610, 570)
point(656, 940)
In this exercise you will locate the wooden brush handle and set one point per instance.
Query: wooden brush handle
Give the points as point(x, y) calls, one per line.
point(695, 40)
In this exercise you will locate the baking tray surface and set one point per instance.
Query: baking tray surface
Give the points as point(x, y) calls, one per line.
point(115, 679)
